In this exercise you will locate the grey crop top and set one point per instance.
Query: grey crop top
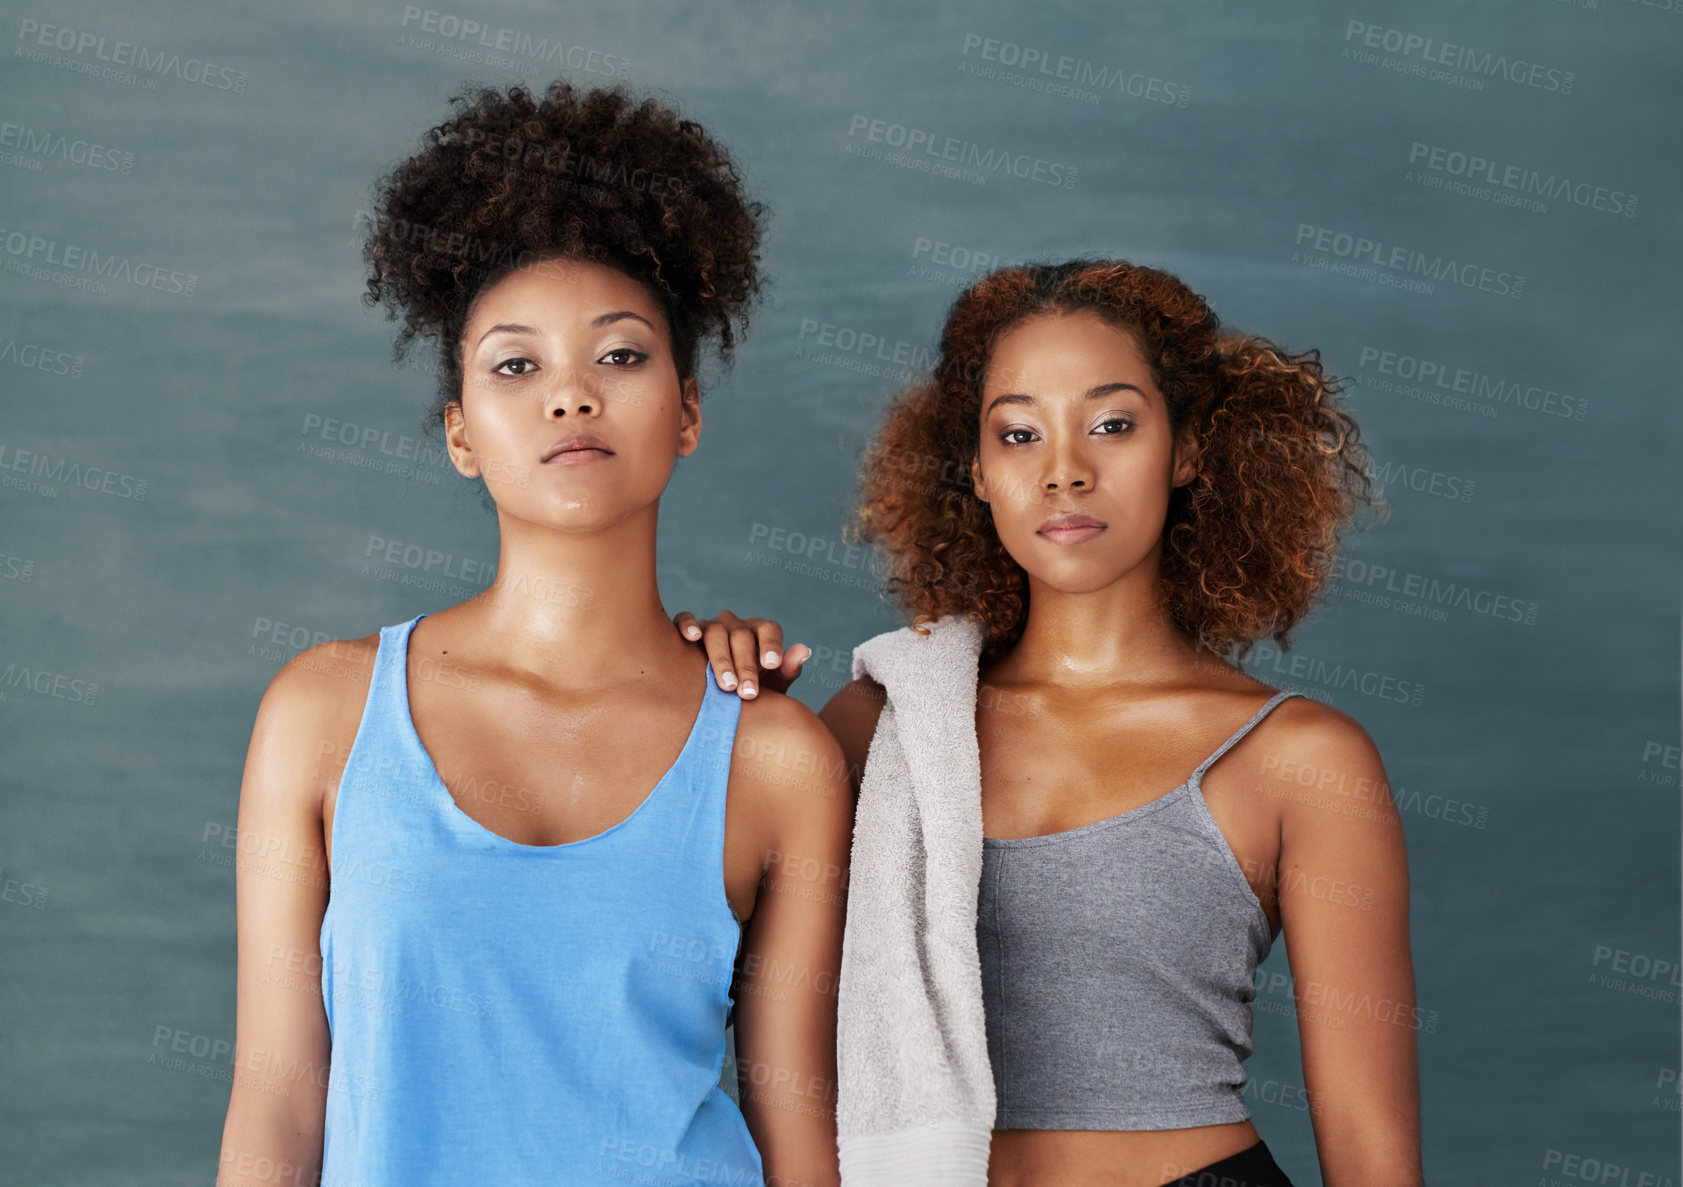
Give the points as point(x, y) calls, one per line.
point(1117, 963)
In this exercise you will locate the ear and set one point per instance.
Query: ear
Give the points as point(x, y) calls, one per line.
point(689, 416)
point(1187, 455)
point(456, 441)
point(976, 478)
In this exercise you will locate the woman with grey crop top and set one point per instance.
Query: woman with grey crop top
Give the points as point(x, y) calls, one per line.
point(1097, 503)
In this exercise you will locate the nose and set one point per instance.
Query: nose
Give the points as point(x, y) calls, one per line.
point(1067, 468)
point(572, 394)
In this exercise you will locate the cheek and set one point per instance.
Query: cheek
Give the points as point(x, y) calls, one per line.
point(629, 394)
point(1146, 483)
point(1016, 517)
point(486, 421)
point(1007, 476)
point(654, 426)
point(644, 404)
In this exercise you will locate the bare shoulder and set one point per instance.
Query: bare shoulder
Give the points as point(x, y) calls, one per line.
point(323, 681)
point(788, 772)
point(1311, 757)
point(780, 742)
point(309, 717)
point(851, 716)
point(1310, 730)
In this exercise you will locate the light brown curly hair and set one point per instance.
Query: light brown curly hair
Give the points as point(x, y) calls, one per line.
point(1247, 545)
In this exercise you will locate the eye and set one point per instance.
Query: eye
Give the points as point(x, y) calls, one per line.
point(524, 364)
point(1119, 424)
point(1007, 437)
point(623, 356)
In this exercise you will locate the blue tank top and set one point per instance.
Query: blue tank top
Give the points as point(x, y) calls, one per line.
point(527, 1014)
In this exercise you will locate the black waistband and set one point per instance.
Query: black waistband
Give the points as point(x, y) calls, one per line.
point(1253, 1167)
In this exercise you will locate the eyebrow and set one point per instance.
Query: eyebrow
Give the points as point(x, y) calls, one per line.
point(603, 320)
point(620, 315)
point(1096, 392)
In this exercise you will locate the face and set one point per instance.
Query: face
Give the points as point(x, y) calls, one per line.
point(571, 407)
point(1077, 457)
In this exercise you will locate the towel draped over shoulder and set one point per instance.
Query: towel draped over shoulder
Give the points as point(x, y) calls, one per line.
point(915, 1093)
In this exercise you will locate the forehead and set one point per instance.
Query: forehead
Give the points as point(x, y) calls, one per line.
point(562, 289)
point(1052, 351)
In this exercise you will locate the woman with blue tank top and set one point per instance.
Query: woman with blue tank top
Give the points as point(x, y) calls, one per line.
point(524, 858)
point(1097, 503)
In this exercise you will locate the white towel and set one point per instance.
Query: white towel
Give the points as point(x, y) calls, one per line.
point(915, 1095)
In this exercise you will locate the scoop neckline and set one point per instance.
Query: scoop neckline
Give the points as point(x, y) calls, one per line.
point(1193, 781)
point(1093, 826)
point(451, 806)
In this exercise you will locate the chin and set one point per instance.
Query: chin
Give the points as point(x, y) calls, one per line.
point(572, 514)
point(1074, 576)
point(1071, 573)
point(1084, 582)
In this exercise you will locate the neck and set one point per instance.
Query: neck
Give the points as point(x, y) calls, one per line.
point(1118, 634)
point(577, 609)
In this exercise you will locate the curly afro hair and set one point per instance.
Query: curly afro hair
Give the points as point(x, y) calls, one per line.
point(594, 174)
point(1248, 544)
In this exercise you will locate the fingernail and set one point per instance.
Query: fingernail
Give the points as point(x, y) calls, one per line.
point(747, 690)
point(728, 680)
point(693, 632)
point(771, 659)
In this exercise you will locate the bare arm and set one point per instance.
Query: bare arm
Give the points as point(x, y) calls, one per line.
point(785, 1013)
point(277, 1106)
point(1343, 895)
point(852, 716)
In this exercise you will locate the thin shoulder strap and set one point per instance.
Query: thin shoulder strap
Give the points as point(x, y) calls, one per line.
point(1267, 708)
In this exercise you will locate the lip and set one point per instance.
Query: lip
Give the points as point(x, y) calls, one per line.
point(576, 448)
point(1070, 528)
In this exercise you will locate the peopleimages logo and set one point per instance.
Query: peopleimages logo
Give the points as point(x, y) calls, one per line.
point(1430, 51)
point(957, 152)
point(1517, 183)
point(32, 251)
point(1354, 572)
point(34, 357)
point(129, 55)
point(1333, 674)
point(1392, 474)
point(1359, 251)
point(465, 31)
point(954, 258)
point(1578, 1168)
point(38, 142)
point(61, 469)
point(847, 340)
point(1042, 69)
point(1381, 366)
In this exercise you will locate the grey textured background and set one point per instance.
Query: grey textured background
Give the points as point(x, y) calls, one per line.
point(1537, 772)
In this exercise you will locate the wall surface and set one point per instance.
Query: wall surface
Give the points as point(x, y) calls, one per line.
point(206, 453)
